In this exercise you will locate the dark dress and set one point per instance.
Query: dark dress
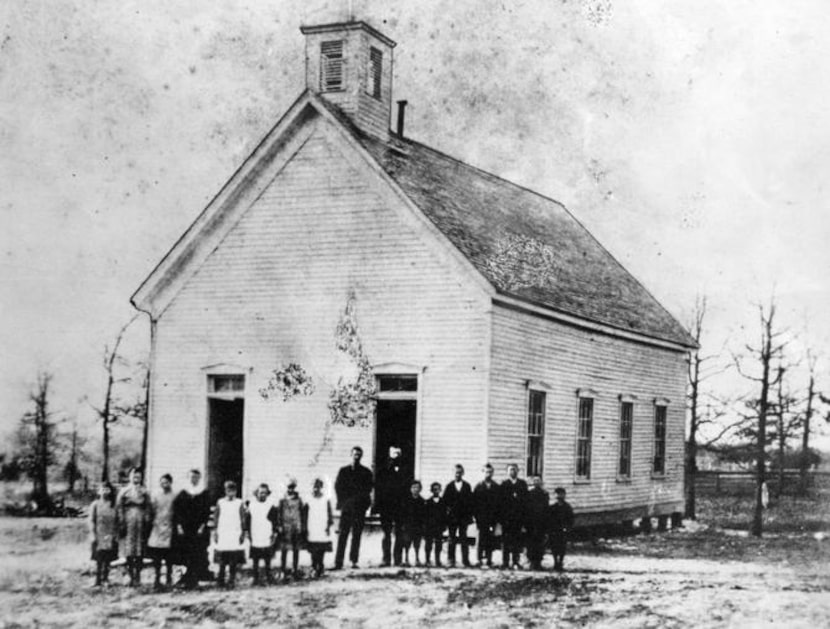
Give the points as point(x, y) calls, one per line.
point(190, 513)
point(354, 488)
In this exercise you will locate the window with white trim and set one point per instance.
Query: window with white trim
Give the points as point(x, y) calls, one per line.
point(331, 66)
point(535, 432)
point(583, 438)
point(659, 459)
point(626, 423)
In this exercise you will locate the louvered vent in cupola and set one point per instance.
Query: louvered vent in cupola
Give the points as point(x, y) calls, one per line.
point(331, 65)
point(350, 65)
point(374, 72)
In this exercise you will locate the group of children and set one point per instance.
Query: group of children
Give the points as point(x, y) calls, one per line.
point(290, 524)
point(145, 526)
point(508, 514)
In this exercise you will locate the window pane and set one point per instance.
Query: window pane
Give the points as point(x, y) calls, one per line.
point(535, 432)
point(659, 440)
point(626, 418)
point(397, 383)
point(226, 384)
point(583, 445)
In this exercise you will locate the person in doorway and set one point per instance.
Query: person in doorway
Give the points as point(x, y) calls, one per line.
point(103, 532)
point(291, 529)
point(486, 511)
point(319, 520)
point(160, 542)
point(354, 490)
point(536, 522)
point(263, 519)
point(229, 534)
point(191, 511)
point(560, 521)
point(458, 498)
point(134, 519)
point(513, 492)
point(390, 491)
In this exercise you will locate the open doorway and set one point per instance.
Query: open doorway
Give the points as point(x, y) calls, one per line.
point(395, 419)
point(225, 454)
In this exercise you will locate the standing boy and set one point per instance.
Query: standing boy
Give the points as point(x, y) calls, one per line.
point(486, 511)
point(561, 518)
point(458, 498)
point(435, 521)
point(161, 529)
point(354, 496)
point(536, 522)
point(513, 507)
point(410, 527)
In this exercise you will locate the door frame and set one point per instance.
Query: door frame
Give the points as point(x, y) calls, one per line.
point(402, 369)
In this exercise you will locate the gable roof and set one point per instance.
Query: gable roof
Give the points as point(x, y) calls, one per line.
point(528, 247)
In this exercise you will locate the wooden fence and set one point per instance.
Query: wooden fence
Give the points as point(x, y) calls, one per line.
point(715, 482)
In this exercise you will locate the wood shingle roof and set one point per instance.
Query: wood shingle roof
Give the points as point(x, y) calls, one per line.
point(528, 246)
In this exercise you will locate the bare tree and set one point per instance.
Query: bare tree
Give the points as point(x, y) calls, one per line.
point(110, 412)
point(72, 470)
point(705, 410)
point(769, 350)
point(38, 440)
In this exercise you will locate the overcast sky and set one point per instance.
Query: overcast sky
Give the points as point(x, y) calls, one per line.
point(691, 137)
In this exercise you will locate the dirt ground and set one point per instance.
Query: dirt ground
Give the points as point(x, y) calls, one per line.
point(698, 575)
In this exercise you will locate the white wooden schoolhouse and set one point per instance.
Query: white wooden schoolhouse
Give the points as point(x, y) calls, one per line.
point(351, 286)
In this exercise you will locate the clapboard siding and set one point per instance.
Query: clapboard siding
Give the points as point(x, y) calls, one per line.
point(272, 293)
point(526, 347)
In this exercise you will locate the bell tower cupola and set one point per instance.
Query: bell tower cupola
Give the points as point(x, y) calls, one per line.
point(350, 65)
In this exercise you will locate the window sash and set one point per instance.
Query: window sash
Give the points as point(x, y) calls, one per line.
point(626, 422)
point(535, 432)
point(583, 439)
point(659, 460)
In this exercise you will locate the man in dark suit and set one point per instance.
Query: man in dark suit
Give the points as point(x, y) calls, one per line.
point(458, 498)
point(354, 490)
point(391, 490)
point(536, 522)
point(513, 513)
point(486, 500)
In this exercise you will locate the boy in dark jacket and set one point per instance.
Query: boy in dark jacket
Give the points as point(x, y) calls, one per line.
point(536, 522)
point(458, 496)
point(410, 525)
point(435, 521)
point(513, 507)
point(561, 521)
point(486, 511)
